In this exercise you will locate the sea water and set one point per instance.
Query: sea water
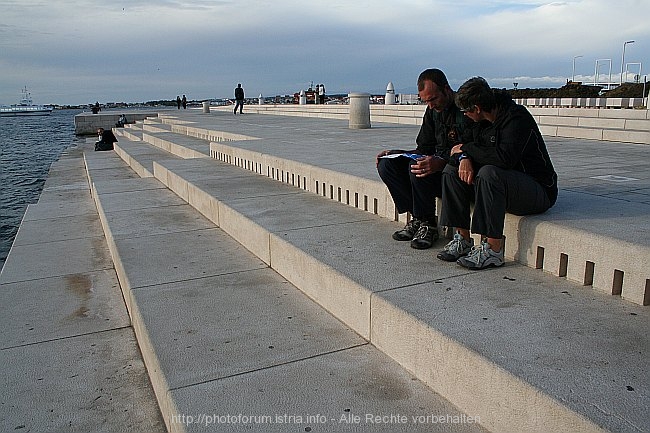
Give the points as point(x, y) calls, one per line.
point(28, 146)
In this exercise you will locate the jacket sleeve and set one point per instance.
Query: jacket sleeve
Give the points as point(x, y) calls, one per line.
point(501, 144)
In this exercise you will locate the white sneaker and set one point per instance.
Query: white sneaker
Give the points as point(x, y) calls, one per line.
point(481, 257)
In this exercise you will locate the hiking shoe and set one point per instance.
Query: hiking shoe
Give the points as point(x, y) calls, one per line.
point(456, 248)
point(481, 257)
point(409, 230)
point(426, 235)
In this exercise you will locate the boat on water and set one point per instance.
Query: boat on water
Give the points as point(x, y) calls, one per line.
point(26, 107)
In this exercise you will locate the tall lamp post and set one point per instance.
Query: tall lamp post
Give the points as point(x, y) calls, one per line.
point(623, 59)
point(573, 75)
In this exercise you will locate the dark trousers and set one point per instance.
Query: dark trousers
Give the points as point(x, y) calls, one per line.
point(495, 192)
point(416, 195)
point(239, 103)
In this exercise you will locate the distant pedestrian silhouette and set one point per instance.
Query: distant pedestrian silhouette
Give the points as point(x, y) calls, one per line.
point(184, 102)
point(239, 99)
point(178, 102)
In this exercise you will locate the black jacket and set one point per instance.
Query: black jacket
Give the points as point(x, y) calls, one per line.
point(106, 143)
point(442, 131)
point(513, 142)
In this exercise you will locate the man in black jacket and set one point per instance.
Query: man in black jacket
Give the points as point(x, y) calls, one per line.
point(504, 168)
point(106, 140)
point(239, 99)
point(414, 181)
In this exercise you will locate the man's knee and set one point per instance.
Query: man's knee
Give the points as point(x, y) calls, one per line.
point(390, 168)
point(384, 168)
point(450, 178)
point(490, 174)
point(449, 170)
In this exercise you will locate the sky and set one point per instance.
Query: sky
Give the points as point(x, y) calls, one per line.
point(82, 51)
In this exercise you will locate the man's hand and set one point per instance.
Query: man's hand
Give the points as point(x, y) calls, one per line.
point(456, 149)
point(427, 165)
point(466, 171)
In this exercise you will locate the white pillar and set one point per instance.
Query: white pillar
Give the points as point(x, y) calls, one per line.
point(303, 98)
point(206, 106)
point(359, 110)
point(261, 100)
point(390, 94)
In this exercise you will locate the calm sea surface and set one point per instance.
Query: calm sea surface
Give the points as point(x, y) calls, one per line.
point(28, 146)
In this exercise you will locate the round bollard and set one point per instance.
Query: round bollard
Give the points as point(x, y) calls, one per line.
point(359, 110)
point(303, 98)
point(206, 106)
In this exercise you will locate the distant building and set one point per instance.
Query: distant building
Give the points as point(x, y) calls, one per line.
point(407, 99)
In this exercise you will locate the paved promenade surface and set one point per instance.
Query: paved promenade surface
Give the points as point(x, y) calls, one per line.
point(70, 360)
point(227, 330)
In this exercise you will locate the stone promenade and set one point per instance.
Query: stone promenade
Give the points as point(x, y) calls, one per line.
point(236, 273)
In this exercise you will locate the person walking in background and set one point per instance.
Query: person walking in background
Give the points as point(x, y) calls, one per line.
point(178, 102)
point(321, 93)
point(184, 101)
point(239, 99)
point(504, 167)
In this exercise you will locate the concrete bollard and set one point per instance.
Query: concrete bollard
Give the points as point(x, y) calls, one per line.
point(206, 106)
point(359, 110)
point(390, 94)
point(303, 98)
point(260, 100)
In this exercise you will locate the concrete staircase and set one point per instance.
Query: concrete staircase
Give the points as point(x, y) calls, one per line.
point(333, 171)
point(520, 349)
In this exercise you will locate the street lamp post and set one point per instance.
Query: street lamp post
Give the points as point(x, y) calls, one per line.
point(596, 73)
point(623, 59)
point(573, 75)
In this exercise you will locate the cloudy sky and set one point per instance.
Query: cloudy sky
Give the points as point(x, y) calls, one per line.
point(81, 51)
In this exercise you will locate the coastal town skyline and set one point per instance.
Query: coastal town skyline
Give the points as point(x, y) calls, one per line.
point(81, 52)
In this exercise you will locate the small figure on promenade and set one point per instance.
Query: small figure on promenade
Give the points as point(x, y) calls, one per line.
point(121, 121)
point(239, 99)
point(106, 140)
point(505, 167)
point(96, 108)
point(415, 182)
point(178, 102)
point(184, 100)
point(321, 93)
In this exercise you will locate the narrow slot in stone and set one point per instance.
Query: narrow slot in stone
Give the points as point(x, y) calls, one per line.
point(589, 274)
point(617, 284)
point(539, 260)
point(564, 262)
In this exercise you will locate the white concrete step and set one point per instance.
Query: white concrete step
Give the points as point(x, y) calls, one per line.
point(182, 146)
point(554, 241)
point(70, 359)
point(521, 347)
point(225, 337)
point(131, 132)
